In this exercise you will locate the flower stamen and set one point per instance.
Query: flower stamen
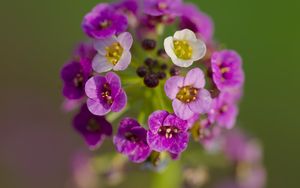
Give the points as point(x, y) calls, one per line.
point(114, 53)
point(182, 49)
point(187, 94)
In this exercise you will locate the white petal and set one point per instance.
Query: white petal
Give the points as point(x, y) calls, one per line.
point(123, 62)
point(185, 34)
point(199, 49)
point(182, 63)
point(101, 64)
point(169, 47)
point(125, 39)
point(101, 44)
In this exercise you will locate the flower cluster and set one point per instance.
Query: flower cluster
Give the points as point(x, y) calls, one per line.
point(156, 91)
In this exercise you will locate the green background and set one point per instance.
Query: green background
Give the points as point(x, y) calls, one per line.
point(36, 140)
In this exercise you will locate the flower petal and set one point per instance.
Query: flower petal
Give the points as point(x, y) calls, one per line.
point(101, 64)
point(119, 101)
point(182, 63)
point(157, 142)
point(194, 78)
point(92, 86)
point(123, 62)
point(169, 47)
point(126, 40)
point(185, 34)
point(203, 102)
point(96, 108)
point(182, 110)
point(180, 143)
point(173, 85)
point(174, 121)
point(199, 49)
point(156, 120)
point(101, 44)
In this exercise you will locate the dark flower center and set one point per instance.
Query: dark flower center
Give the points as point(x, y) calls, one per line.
point(223, 109)
point(93, 126)
point(187, 94)
point(78, 80)
point(106, 94)
point(130, 136)
point(105, 24)
point(225, 70)
point(168, 131)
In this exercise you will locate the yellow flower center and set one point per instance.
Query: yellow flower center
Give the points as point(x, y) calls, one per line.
point(105, 24)
point(114, 53)
point(187, 94)
point(182, 49)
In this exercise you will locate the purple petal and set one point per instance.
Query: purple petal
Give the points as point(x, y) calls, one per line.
point(92, 86)
point(119, 101)
point(173, 85)
point(156, 119)
point(203, 102)
point(96, 108)
point(173, 120)
point(182, 110)
point(114, 82)
point(195, 78)
point(123, 145)
point(180, 143)
point(126, 40)
point(157, 142)
point(140, 154)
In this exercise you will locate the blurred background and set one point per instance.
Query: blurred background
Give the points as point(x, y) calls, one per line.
point(37, 37)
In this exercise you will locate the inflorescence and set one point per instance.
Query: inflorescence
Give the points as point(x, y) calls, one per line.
point(177, 87)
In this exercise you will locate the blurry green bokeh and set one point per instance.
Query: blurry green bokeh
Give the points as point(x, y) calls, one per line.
point(38, 36)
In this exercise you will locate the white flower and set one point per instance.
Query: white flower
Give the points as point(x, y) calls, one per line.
point(113, 53)
point(184, 48)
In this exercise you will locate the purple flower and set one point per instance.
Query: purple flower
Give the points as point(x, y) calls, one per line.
point(188, 94)
point(167, 132)
point(197, 21)
point(162, 7)
point(103, 21)
point(113, 53)
point(105, 94)
point(131, 140)
point(127, 6)
point(224, 110)
point(92, 128)
point(227, 70)
point(75, 73)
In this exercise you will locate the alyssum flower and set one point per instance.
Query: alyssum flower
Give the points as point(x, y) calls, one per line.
point(131, 140)
point(162, 7)
point(188, 94)
point(113, 53)
point(184, 48)
point(105, 94)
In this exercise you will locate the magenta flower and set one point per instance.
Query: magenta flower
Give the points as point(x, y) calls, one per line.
point(162, 7)
point(227, 70)
point(127, 6)
point(200, 23)
point(131, 140)
point(188, 94)
point(94, 129)
point(167, 132)
point(224, 110)
point(105, 94)
point(103, 21)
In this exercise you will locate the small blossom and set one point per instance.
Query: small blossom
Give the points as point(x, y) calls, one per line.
point(184, 48)
point(103, 21)
point(92, 128)
point(113, 53)
point(188, 94)
point(224, 110)
point(105, 94)
point(75, 73)
point(167, 132)
point(162, 7)
point(227, 70)
point(131, 140)
point(197, 21)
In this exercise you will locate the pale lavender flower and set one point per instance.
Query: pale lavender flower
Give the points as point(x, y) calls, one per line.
point(105, 94)
point(131, 140)
point(113, 53)
point(103, 21)
point(167, 132)
point(227, 70)
point(188, 94)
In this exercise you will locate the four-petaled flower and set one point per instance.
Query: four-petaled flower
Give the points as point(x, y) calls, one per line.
point(131, 140)
point(167, 132)
point(224, 110)
point(162, 7)
point(188, 94)
point(104, 21)
point(184, 48)
point(227, 70)
point(92, 128)
point(105, 94)
point(113, 53)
